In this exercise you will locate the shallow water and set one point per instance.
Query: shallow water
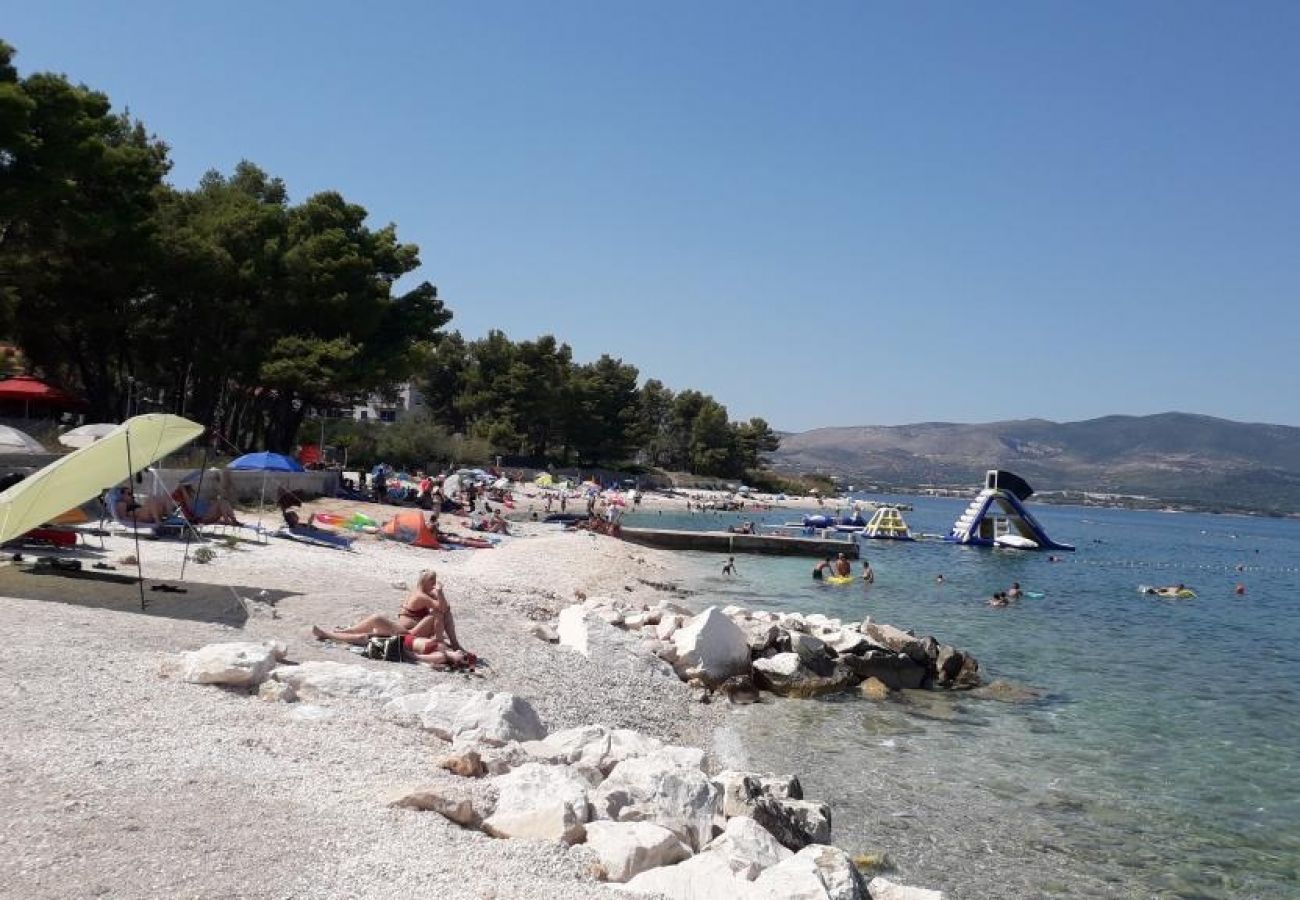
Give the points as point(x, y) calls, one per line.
point(1161, 759)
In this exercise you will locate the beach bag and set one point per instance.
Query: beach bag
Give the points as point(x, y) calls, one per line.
point(388, 649)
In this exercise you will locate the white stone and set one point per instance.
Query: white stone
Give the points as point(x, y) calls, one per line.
point(626, 849)
point(655, 788)
point(308, 712)
point(667, 625)
point(332, 679)
point(573, 628)
point(748, 847)
point(711, 647)
point(240, 663)
point(542, 802)
point(589, 744)
point(707, 875)
point(455, 714)
point(783, 664)
point(817, 872)
point(735, 612)
point(884, 889)
point(634, 620)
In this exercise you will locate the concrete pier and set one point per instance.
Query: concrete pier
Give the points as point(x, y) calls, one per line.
point(727, 542)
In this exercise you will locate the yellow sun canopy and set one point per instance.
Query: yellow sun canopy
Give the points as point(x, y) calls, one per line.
point(82, 475)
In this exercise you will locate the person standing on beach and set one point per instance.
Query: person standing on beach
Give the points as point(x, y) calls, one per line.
point(730, 567)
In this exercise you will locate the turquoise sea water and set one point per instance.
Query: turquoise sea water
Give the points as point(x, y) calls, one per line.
point(1162, 758)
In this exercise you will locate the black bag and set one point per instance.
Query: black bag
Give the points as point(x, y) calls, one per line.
point(388, 649)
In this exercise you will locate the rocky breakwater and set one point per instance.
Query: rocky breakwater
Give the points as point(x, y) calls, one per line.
point(735, 651)
point(643, 815)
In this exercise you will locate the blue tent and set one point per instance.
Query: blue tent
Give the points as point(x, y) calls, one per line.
point(266, 461)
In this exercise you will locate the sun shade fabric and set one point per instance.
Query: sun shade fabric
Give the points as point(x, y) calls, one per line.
point(81, 475)
point(32, 390)
point(265, 462)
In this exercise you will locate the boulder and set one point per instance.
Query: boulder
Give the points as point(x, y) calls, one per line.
point(874, 689)
point(812, 652)
point(739, 689)
point(573, 628)
point(656, 788)
point(955, 669)
point(711, 647)
point(237, 664)
point(668, 624)
point(627, 849)
point(888, 637)
point(760, 635)
point(884, 889)
point(449, 802)
point(897, 671)
point(332, 679)
point(453, 713)
point(794, 823)
point(735, 612)
point(589, 744)
point(846, 640)
point(817, 872)
point(705, 875)
point(277, 692)
point(500, 760)
point(547, 803)
point(741, 790)
point(785, 675)
point(748, 847)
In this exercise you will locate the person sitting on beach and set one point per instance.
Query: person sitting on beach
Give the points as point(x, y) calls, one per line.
point(820, 570)
point(425, 613)
point(216, 511)
point(135, 512)
point(843, 569)
point(1015, 593)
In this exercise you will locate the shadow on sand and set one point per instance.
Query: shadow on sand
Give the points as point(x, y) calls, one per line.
point(120, 591)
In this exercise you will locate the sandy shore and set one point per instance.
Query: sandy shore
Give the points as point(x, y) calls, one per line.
point(122, 783)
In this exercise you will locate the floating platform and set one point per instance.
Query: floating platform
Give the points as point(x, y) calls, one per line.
point(729, 542)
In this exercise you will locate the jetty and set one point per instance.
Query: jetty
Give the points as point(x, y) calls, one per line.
point(730, 542)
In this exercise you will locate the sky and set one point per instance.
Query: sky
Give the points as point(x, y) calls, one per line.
point(833, 213)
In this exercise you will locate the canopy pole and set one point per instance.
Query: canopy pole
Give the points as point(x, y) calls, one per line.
point(198, 494)
point(139, 568)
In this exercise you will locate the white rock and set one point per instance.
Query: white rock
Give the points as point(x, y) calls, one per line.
point(711, 647)
point(634, 620)
point(735, 612)
point(307, 712)
point(589, 744)
point(884, 889)
point(495, 718)
point(667, 625)
point(573, 628)
point(783, 664)
point(542, 802)
point(708, 875)
point(332, 679)
point(456, 714)
point(656, 789)
point(817, 872)
point(629, 848)
point(748, 847)
point(275, 691)
point(240, 663)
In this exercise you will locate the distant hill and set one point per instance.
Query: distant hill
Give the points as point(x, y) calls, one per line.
point(1173, 459)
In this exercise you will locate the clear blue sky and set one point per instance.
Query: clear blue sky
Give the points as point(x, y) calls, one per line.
point(831, 213)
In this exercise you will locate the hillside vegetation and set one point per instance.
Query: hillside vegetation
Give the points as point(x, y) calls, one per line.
point(1167, 459)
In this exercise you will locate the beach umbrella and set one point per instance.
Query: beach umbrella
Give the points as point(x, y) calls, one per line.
point(31, 392)
point(14, 441)
point(266, 461)
point(73, 479)
point(544, 480)
point(85, 435)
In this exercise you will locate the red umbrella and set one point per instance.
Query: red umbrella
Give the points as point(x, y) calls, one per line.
point(32, 391)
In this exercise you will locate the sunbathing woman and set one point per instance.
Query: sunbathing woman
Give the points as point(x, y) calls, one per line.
point(216, 511)
point(425, 613)
point(128, 510)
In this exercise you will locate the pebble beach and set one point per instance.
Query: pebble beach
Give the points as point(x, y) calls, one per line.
point(122, 782)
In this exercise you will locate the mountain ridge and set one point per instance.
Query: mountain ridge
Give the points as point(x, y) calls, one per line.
point(1182, 459)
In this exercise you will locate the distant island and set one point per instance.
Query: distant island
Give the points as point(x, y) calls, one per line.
point(1170, 460)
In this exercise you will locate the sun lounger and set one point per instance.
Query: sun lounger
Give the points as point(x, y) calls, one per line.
point(315, 536)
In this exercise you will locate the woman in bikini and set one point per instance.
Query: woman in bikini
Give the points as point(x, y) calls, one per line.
point(425, 623)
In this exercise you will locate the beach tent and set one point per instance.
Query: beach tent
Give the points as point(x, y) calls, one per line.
point(410, 528)
point(85, 435)
point(81, 475)
point(14, 441)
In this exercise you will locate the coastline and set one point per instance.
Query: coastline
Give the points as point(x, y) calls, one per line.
point(133, 784)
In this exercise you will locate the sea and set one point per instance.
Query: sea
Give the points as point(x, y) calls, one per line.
point(1145, 748)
